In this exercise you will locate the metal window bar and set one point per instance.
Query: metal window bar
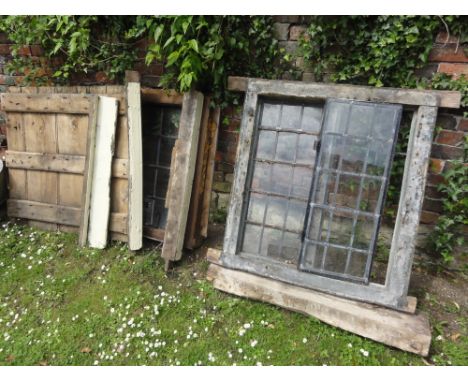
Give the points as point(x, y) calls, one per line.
point(356, 212)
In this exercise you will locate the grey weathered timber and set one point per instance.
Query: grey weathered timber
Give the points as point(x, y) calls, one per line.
point(88, 173)
point(53, 213)
point(240, 175)
point(71, 164)
point(135, 161)
point(181, 178)
point(47, 103)
point(411, 201)
point(404, 331)
point(393, 292)
point(414, 97)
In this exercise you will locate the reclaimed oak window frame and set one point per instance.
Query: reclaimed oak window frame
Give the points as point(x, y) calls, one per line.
point(424, 105)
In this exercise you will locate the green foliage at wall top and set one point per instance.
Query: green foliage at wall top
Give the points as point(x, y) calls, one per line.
point(198, 51)
point(374, 50)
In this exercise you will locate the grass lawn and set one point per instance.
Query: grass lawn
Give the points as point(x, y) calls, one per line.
point(64, 305)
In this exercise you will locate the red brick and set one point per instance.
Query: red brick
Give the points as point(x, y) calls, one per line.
point(432, 192)
point(446, 152)
point(435, 179)
point(101, 77)
point(24, 51)
point(433, 205)
point(5, 49)
point(451, 138)
point(36, 50)
point(463, 125)
point(443, 38)
point(3, 38)
point(429, 217)
point(448, 54)
point(436, 166)
point(296, 31)
point(456, 70)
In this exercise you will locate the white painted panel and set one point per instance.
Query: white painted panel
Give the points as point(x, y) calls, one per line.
point(135, 167)
point(102, 166)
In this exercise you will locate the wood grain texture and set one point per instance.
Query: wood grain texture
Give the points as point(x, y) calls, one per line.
point(100, 191)
point(449, 99)
point(198, 217)
point(411, 201)
point(181, 179)
point(161, 96)
point(46, 103)
point(73, 164)
point(45, 212)
point(401, 330)
point(135, 167)
point(88, 172)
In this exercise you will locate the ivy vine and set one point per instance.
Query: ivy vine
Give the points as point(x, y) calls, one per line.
point(198, 51)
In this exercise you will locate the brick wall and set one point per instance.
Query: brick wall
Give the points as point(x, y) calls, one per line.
point(447, 56)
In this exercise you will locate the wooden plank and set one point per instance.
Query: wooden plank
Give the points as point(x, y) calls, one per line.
point(198, 217)
point(70, 188)
point(118, 223)
point(15, 131)
point(192, 237)
point(46, 103)
point(153, 233)
point(213, 124)
point(100, 192)
point(135, 167)
point(41, 136)
point(121, 138)
point(16, 141)
point(119, 191)
point(73, 164)
point(240, 174)
point(72, 131)
point(401, 330)
point(161, 96)
point(440, 98)
point(45, 212)
point(120, 168)
point(182, 173)
point(411, 201)
point(88, 173)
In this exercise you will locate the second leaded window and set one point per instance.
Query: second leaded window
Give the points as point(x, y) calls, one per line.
point(320, 217)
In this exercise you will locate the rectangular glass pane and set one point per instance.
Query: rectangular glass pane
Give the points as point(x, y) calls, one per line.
point(349, 186)
point(160, 126)
point(279, 181)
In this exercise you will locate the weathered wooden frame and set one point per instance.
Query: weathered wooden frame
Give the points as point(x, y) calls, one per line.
point(179, 190)
point(424, 105)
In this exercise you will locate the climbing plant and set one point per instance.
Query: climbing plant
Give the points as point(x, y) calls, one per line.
point(202, 51)
point(198, 51)
point(374, 50)
point(71, 44)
